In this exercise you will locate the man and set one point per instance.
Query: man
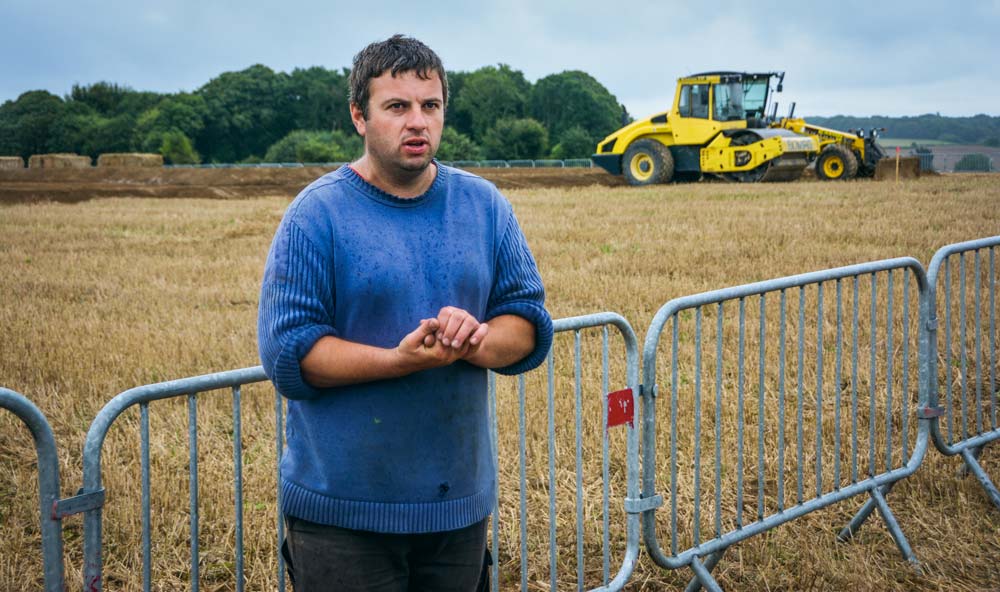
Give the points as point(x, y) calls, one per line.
point(391, 286)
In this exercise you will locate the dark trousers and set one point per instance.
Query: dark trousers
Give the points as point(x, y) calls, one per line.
point(321, 558)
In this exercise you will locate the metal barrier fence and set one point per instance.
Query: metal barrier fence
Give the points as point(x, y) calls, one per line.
point(48, 485)
point(969, 425)
point(874, 324)
point(610, 409)
point(843, 462)
point(90, 499)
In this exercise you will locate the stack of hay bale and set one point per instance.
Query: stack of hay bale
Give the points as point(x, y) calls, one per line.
point(58, 161)
point(11, 162)
point(129, 159)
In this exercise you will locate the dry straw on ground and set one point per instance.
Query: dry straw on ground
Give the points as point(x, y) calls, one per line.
point(129, 159)
point(108, 294)
point(58, 161)
point(11, 162)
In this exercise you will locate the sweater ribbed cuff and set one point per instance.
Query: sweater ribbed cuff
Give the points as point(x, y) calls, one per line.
point(540, 318)
point(287, 372)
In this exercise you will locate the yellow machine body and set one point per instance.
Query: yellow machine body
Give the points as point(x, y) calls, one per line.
point(718, 125)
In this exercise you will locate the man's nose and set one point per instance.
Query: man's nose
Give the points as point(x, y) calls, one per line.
point(416, 119)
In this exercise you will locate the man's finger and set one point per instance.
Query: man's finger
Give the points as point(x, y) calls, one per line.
point(479, 334)
point(468, 327)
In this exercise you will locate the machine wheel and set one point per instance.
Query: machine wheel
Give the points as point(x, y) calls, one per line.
point(836, 163)
point(647, 162)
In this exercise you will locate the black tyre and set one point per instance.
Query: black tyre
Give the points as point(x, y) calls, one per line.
point(647, 162)
point(836, 163)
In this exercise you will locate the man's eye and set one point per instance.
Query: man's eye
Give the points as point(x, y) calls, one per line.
point(432, 106)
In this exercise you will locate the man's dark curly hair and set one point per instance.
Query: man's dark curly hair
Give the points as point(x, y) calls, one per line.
point(397, 54)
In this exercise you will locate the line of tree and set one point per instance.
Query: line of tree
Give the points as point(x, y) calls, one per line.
point(979, 129)
point(258, 114)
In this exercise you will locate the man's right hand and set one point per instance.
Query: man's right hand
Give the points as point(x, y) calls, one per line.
point(421, 349)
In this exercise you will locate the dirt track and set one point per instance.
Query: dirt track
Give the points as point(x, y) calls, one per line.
point(74, 185)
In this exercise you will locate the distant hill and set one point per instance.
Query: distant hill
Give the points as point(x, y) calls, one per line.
point(980, 129)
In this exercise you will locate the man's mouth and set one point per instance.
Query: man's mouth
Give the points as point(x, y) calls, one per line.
point(416, 146)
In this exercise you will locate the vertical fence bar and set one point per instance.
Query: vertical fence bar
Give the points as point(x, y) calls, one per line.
point(605, 469)
point(718, 421)
point(993, 336)
point(979, 349)
point(491, 382)
point(819, 390)
point(873, 328)
point(837, 376)
point(238, 484)
point(697, 428)
point(524, 481)
point(854, 386)
point(781, 403)
point(147, 554)
point(740, 418)
point(761, 482)
point(888, 375)
point(279, 431)
point(673, 438)
point(962, 349)
point(577, 372)
point(193, 485)
point(798, 393)
point(947, 344)
point(553, 555)
point(906, 366)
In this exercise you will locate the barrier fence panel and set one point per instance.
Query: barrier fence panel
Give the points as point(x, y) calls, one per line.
point(48, 485)
point(963, 279)
point(572, 446)
point(750, 446)
point(200, 387)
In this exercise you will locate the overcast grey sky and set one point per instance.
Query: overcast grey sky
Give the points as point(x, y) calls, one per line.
point(873, 57)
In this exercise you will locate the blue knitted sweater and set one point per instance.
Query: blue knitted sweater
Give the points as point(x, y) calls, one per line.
point(411, 454)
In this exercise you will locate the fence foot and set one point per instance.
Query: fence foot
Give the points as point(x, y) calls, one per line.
point(866, 510)
point(703, 576)
point(710, 562)
point(963, 471)
point(893, 526)
point(971, 458)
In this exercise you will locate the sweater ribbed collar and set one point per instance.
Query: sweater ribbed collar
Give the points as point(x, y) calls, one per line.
point(384, 197)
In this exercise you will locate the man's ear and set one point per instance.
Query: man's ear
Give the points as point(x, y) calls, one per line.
point(358, 118)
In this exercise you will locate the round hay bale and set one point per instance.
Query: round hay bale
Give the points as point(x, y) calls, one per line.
point(11, 162)
point(58, 161)
point(129, 159)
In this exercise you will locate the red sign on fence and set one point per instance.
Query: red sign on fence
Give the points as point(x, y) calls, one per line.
point(621, 408)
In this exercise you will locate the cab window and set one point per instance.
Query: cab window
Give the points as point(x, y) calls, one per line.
point(694, 101)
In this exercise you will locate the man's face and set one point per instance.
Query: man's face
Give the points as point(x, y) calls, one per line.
point(405, 119)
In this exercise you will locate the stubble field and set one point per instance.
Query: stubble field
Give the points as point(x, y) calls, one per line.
point(103, 295)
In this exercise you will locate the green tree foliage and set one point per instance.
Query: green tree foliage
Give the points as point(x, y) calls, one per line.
point(315, 146)
point(318, 99)
point(516, 139)
point(27, 124)
point(575, 142)
point(974, 163)
point(488, 95)
point(247, 112)
point(177, 148)
point(457, 146)
point(575, 99)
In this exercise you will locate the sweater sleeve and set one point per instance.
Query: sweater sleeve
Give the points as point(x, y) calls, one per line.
point(517, 289)
point(296, 309)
